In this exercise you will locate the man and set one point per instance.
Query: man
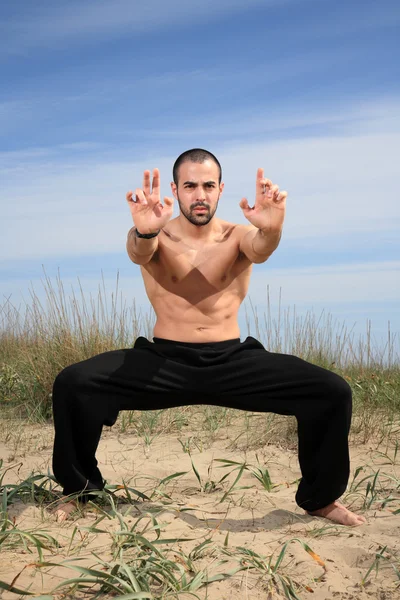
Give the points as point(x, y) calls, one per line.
point(196, 270)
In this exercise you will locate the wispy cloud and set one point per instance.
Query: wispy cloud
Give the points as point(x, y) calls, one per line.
point(55, 25)
point(75, 205)
point(52, 24)
point(333, 284)
point(66, 95)
point(380, 114)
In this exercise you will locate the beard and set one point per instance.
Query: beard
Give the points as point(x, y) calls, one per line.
point(198, 219)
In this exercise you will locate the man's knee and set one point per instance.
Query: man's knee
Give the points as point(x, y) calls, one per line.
point(66, 387)
point(341, 387)
point(71, 377)
point(338, 391)
point(78, 388)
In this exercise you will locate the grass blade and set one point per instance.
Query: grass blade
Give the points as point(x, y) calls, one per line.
point(179, 474)
point(14, 590)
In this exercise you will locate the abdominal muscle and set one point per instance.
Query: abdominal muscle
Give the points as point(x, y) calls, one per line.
point(187, 324)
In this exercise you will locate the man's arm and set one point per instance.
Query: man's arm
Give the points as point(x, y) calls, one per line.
point(257, 245)
point(140, 250)
point(266, 218)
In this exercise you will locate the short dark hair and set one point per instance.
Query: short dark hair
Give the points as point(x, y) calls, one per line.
point(196, 155)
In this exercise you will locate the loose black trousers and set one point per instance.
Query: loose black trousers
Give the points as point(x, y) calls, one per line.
point(235, 374)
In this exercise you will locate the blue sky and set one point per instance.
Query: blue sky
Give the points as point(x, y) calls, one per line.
point(94, 92)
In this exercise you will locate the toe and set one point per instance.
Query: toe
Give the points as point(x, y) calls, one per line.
point(362, 519)
point(60, 515)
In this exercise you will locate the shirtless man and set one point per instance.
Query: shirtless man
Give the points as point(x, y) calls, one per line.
point(196, 270)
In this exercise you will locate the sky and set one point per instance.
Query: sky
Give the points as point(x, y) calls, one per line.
point(92, 93)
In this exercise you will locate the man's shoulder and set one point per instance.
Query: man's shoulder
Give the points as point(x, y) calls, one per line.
point(171, 226)
point(225, 230)
point(242, 230)
point(238, 227)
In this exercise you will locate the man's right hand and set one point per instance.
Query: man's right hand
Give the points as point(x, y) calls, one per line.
point(149, 215)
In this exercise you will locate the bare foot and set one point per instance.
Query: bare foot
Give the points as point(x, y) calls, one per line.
point(339, 514)
point(63, 510)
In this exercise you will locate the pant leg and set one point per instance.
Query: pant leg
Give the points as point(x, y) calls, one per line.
point(90, 394)
point(240, 375)
point(249, 377)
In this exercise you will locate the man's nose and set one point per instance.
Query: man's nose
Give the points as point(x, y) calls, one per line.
point(201, 193)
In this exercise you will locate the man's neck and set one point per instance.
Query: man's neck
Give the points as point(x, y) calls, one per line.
point(197, 235)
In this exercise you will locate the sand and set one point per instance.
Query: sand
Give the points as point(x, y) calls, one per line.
point(248, 519)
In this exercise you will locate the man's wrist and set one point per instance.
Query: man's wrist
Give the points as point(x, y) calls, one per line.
point(146, 235)
point(270, 232)
point(265, 242)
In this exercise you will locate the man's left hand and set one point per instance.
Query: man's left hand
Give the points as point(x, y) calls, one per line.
point(269, 211)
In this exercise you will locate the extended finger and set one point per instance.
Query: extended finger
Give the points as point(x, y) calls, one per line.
point(146, 182)
point(260, 181)
point(244, 204)
point(156, 182)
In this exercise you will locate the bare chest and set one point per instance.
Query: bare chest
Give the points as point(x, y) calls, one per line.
point(197, 273)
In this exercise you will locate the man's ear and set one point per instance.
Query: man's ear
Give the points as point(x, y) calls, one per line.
point(174, 189)
point(221, 187)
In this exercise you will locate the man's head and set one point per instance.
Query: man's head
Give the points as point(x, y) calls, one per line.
point(197, 178)
point(196, 155)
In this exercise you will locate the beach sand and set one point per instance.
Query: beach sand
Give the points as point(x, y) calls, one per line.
point(251, 519)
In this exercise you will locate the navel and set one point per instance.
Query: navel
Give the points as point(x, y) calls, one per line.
point(174, 278)
point(223, 278)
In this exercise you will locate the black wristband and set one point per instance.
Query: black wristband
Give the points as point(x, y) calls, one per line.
point(147, 236)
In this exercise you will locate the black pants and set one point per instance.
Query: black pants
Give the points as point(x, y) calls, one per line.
point(235, 374)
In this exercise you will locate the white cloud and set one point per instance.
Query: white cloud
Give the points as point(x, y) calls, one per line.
point(356, 116)
point(339, 184)
point(357, 282)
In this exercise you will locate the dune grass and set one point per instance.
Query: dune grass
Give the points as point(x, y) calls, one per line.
point(137, 560)
point(37, 344)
